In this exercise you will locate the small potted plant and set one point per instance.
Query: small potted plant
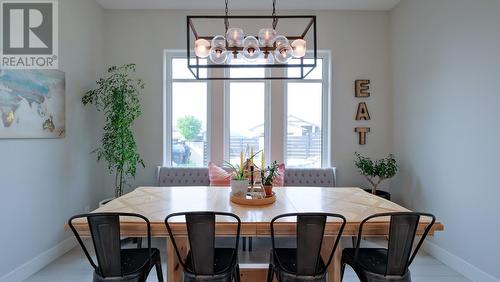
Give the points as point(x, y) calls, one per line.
point(267, 177)
point(241, 174)
point(376, 172)
point(239, 181)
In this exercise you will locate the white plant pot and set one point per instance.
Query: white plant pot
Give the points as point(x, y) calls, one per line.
point(239, 187)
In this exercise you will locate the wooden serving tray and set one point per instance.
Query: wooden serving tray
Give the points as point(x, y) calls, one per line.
point(246, 200)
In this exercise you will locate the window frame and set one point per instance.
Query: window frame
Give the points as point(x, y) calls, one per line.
point(276, 91)
point(326, 114)
point(168, 82)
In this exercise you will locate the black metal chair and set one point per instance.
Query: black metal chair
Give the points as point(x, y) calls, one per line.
point(204, 261)
point(391, 264)
point(114, 263)
point(303, 263)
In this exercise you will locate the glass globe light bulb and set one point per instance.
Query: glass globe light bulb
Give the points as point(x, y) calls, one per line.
point(269, 58)
point(267, 36)
point(283, 54)
point(251, 50)
point(218, 55)
point(219, 41)
point(299, 48)
point(235, 37)
point(281, 40)
point(201, 48)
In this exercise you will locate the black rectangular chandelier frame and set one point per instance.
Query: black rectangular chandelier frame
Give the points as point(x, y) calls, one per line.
point(194, 68)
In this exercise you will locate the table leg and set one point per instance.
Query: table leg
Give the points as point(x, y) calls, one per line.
point(174, 268)
point(334, 267)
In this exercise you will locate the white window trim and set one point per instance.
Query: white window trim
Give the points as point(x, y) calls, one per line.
point(168, 81)
point(325, 114)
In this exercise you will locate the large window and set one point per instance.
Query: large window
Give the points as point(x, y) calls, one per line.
point(246, 113)
point(305, 119)
point(187, 117)
point(216, 120)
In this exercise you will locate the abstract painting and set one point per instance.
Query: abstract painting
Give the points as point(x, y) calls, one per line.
point(32, 104)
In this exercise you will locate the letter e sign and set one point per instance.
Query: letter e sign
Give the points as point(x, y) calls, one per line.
point(362, 88)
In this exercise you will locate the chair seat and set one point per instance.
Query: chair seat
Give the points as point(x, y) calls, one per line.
point(134, 265)
point(224, 266)
point(370, 259)
point(135, 259)
point(222, 260)
point(286, 258)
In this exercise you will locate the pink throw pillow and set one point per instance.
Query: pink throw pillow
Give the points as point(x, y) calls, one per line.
point(280, 179)
point(218, 176)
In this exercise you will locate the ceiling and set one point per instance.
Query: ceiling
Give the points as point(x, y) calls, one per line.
point(370, 5)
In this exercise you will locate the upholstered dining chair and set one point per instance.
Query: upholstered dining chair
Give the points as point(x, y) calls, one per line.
point(115, 264)
point(391, 264)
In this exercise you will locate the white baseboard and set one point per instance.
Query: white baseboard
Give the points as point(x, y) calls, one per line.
point(458, 264)
point(34, 265)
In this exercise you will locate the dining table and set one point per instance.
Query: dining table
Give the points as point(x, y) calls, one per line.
point(155, 203)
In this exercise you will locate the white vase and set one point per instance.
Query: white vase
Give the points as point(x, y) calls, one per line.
point(239, 187)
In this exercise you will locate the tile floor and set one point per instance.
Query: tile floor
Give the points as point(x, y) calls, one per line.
point(74, 267)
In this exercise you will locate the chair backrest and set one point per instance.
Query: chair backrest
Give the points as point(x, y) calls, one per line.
point(402, 230)
point(198, 176)
point(183, 176)
point(201, 236)
point(105, 232)
point(310, 232)
point(312, 177)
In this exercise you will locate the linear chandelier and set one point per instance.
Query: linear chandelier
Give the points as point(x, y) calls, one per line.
point(275, 55)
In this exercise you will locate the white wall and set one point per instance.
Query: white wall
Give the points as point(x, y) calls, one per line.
point(445, 60)
point(45, 181)
point(441, 117)
point(359, 45)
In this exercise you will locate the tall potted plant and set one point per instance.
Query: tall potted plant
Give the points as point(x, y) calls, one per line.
point(117, 96)
point(376, 171)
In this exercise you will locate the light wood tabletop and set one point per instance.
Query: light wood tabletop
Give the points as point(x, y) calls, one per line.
point(156, 203)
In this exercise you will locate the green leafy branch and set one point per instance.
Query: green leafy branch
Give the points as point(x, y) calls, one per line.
point(376, 171)
point(268, 174)
point(238, 172)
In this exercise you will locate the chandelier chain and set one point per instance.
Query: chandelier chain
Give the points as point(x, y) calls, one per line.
point(275, 20)
point(226, 21)
point(226, 12)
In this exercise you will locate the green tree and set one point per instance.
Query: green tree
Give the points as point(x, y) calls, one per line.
point(189, 126)
point(376, 171)
point(118, 97)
